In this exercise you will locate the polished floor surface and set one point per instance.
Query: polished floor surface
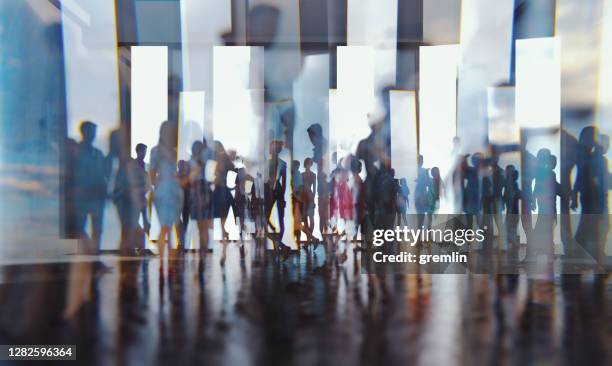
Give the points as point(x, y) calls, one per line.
point(305, 310)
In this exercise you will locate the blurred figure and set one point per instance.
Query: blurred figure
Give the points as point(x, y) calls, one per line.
point(591, 191)
point(420, 195)
point(403, 202)
point(89, 191)
point(222, 197)
point(258, 206)
point(471, 194)
point(167, 192)
point(309, 187)
point(200, 195)
point(436, 189)
point(498, 181)
point(358, 189)
point(545, 193)
point(130, 197)
point(241, 202)
point(275, 190)
point(296, 199)
point(141, 153)
point(511, 197)
point(183, 176)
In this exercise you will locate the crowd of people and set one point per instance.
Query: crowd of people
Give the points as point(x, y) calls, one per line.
point(349, 206)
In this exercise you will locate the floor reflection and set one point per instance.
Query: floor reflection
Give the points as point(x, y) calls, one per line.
point(308, 309)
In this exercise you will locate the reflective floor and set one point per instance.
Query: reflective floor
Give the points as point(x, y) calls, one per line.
point(305, 310)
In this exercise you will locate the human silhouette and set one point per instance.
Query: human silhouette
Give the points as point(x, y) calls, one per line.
point(511, 196)
point(276, 185)
point(421, 188)
point(90, 177)
point(309, 187)
point(167, 192)
point(222, 196)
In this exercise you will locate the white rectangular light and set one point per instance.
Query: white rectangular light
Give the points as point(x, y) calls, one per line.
point(354, 99)
point(149, 99)
point(538, 82)
point(438, 102)
point(90, 58)
point(374, 23)
point(486, 52)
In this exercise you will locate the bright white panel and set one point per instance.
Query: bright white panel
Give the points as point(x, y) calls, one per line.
point(374, 23)
point(237, 115)
point(503, 129)
point(198, 39)
point(354, 100)
point(191, 121)
point(90, 58)
point(404, 150)
point(149, 94)
point(538, 82)
point(437, 105)
point(486, 50)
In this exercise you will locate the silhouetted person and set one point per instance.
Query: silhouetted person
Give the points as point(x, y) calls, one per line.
point(591, 187)
point(309, 187)
point(511, 196)
point(276, 185)
point(167, 192)
point(296, 199)
point(545, 193)
point(183, 176)
point(141, 153)
point(420, 194)
point(359, 199)
point(436, 188)
point(472, 192)
point(498, 181)
point(403, 201)
point(90, 184)
point(200, 197)
point(241, 202)
point(222, 196)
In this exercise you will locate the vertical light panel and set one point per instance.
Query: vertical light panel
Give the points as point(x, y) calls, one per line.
point(538, 98)
point(237, 117)
point(437, 105)
point(149, 99)
point(604, 92)
point(354, 100)
point(503, 129)
point(486, 48)
point(90, 59)
point(198, 39)
point(538, 82)
point(374, 23)
point(191, 121)
point(404, 137)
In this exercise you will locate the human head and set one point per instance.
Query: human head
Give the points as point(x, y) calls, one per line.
point(141, 151)
point(315, 132)
point(275, 147)
point(420, 161)
point(196, 148)
point(88, 132)
point(307, 163)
